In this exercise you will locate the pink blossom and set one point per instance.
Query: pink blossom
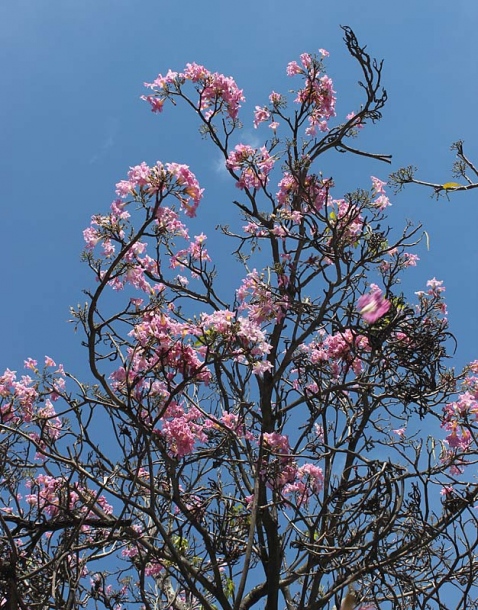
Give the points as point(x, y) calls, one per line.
point(153, 568)
point(231, 422)
point(156, 103)
point(373, 306)
point(381, 202)
point(282, 469)
point(196, 72)
point(358, 124)
point(319, 93)
point(7, 379)
point(108, 248)
point(314, 191)
point(378, 185)
point(275, 98)
point(91, 237)
point(190, 192)
point(29, 363)
point(309, 480)
point(221, 88)
point(278, 443)
point(435, 287)
point(255, 296)
point(306, 60)
point(217, 93)
point(255, 165)
point(410, 260)
point(261, 366)
point(124, 188)
point(473, 366)
point(314, 476)
point(261, 114)
point(240, 155)
point(139, 175)
point(347, 218)
point(168, 221)
point(460, 438)
point(279, 231)
point(255, 229)
point(163, 82)
point(319, 430)
point(293, 68)
point(182, 430)
point(447, 490)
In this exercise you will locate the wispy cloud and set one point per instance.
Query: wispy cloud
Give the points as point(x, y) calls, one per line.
point(111, 130)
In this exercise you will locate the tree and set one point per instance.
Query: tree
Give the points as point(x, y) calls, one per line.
point(279, 446)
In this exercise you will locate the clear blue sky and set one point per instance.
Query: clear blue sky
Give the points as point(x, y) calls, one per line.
point(72, 123)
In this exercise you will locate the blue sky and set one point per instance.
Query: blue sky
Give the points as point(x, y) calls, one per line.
point(72, 123)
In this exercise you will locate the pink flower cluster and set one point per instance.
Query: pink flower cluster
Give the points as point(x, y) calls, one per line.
point(256, 297)
point(217, 93)
point(182, 429)
point(261, 114)
point(434, 293)
point(168, 222)
point(341, 351)
point(161, 348)
point(400, 259)
point(135, 267)
point(373, 306)
point(56, 496)
point(347, 221)
point(174, 178)
point(309, 479)
point(284, 474)
point(195, 252)
point(143, 184)
point(242, 337)
point(254, 165)
point(458, 415)
point(381, 200)
point(22, 403)
point(281, 467)
point(233, 423)
point(311, 195)
point(317, 94)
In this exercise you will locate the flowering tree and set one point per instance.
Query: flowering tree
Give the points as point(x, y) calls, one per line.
point(297, 443)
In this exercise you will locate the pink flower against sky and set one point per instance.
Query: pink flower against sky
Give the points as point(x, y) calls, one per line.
point(275, 98)
point(293, 68)
point(261, 114)
point(358, 124)
point(372, 306)
point(410, 260)
point(217, 93)
point(378, 185)
point(254, 164)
